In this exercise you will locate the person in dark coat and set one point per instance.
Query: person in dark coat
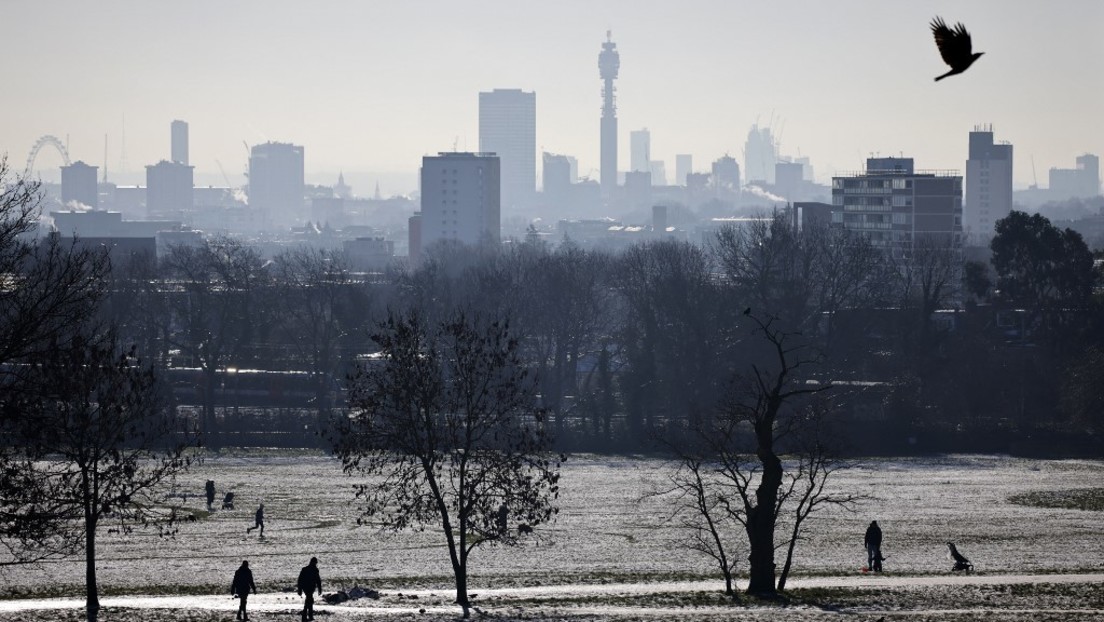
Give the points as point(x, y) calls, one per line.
point(240, 587)
point(873, 543)
point(210, 494)
point(309, 581)
point(259, 517)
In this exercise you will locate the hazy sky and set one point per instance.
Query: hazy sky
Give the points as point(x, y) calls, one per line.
point(370, 86)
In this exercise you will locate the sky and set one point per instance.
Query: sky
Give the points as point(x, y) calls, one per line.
point(369, 87)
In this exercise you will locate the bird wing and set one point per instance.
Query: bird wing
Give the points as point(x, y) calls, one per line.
point(954, 45)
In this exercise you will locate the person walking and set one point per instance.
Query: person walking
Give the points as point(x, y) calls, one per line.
point(240, 587)
point(259, 518)
point(309, 581)
point(210, 494)
point(873, 543)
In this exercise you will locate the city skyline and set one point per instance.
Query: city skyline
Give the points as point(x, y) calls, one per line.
point(371, 89)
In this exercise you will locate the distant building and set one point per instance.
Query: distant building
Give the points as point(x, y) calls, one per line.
point(893, 205)
point(179, 142)
point(609, 62)
point(169, 189)
point(760, 155)
point(1080, 182)
point(414, 238)
point(276, 185)
point(342, 190)
point(811, 214)
point(508, 127)
point(78, 185)
point(726, 173)
point(789, 180)
point(640, 151)
point(556, 175)
point(988, 185)
point(684, 165)
point(460, 198)
point(638, 189)
point(369, 254)
point(658, 169)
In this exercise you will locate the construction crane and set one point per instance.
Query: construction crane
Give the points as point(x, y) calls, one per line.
point(1033, 176)
point(224, 175)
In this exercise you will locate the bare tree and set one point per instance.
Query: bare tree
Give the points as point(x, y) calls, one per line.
point(320, 305)
point(211, 291)
point(447, 420)
point(760, 406)
point(95, 443)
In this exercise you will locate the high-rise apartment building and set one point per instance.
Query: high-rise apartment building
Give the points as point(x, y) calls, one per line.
point(684, 165)
point(988, 185)
point(640, 151)
point(461, 198)
point(609, 63)
point(169, 189)
point(179, 147)
point(78, 185)
point(276, 185)
point(508, 127)
point(895, 206)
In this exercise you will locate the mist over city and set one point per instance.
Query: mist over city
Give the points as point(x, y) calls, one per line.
point(580, 311)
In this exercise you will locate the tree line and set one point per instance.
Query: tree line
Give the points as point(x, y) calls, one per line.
point(454, 379)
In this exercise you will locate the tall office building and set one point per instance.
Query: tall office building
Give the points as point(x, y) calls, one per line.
point(461, 198)
point(508, 127)
point(760, 155)
point(78, 185)
point(988, 185)
point(276, 185)
point(895, 206)
point(179, 142)
point(609, 63)
point(640, 151)
point(684, 165)
point(658, 169)
point(169, 189)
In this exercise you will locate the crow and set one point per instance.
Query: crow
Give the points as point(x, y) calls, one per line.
point(954, 46)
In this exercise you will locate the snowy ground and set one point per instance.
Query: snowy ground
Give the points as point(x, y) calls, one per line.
point(609, 533)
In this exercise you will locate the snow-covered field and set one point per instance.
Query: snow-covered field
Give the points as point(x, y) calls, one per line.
point(608, 531)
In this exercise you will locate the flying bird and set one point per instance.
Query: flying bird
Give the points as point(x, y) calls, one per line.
point(954, 46)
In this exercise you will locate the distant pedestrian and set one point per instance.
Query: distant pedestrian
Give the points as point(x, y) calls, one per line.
point(210, 494)
point(228, 501)
point(309, 581)
point(259, 518)
point(873, 543)
point(241, 586)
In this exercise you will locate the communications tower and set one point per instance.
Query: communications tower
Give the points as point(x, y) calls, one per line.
point(609, 61)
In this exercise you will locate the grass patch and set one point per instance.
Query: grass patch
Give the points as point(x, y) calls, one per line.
point(1088, 499)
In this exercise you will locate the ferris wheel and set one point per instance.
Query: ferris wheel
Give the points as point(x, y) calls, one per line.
point(39, 144)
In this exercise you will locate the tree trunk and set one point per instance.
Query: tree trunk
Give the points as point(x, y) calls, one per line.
point(761, 518)
point(92, 592)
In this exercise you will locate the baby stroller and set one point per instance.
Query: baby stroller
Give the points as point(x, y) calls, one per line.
point(960, 560)
point(228, 501)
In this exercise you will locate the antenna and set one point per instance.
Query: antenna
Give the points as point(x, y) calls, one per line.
point(1033, 177)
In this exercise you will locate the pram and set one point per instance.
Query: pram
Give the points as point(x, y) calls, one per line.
point(960, 560)
point(228, 501)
